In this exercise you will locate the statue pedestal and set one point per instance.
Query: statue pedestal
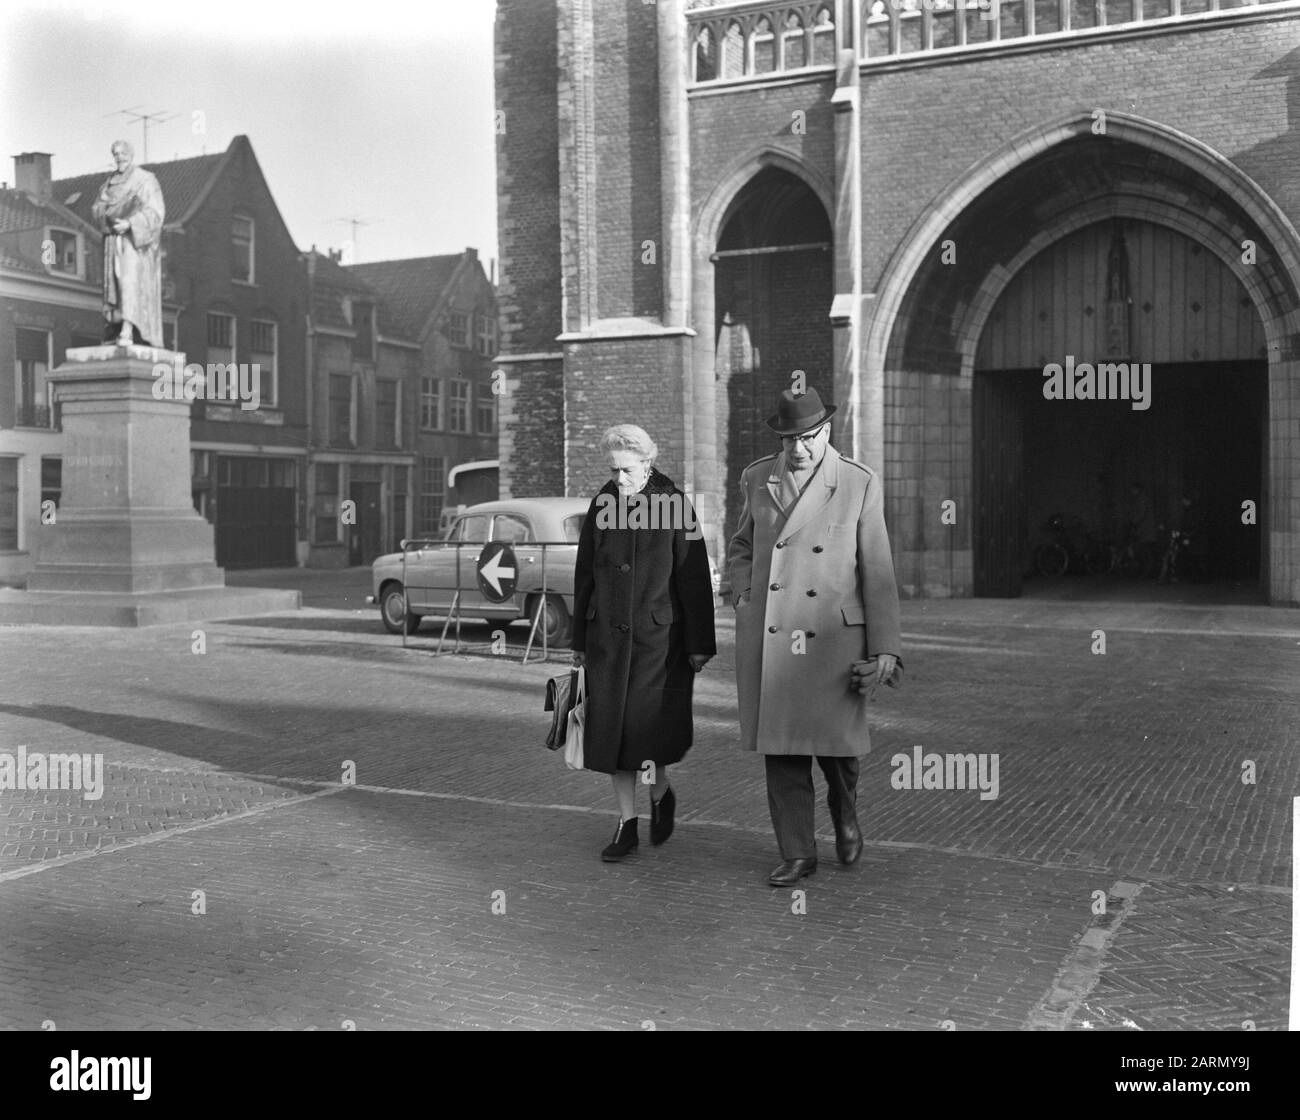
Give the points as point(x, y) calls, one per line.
point(127, 546)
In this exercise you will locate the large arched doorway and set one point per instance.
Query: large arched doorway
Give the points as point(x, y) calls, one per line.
point(1177, 442)
point(1167, 195)
point(772, 301)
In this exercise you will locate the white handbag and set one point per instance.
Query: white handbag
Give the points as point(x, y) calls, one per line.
point(576, 724)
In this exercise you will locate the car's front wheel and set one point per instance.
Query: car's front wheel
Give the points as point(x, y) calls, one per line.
point(392, 606)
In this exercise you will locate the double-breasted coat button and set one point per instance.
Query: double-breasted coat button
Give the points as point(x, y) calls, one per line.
point(780, 544)
point(818, 548)
point(771, 629)
point(775, 587)
point(811, 593)
point(625, 567)
point(624, 627)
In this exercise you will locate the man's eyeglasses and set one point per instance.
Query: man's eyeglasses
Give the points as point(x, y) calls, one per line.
point(807, 439)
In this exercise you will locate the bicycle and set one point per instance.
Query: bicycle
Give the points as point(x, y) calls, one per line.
point(1063, 553)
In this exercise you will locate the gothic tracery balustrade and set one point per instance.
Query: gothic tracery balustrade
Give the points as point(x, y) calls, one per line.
point(732, 41)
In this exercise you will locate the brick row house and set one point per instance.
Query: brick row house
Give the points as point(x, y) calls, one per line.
point(340, 372)
point(446, 303)
point(50, 274)
point(363, 368)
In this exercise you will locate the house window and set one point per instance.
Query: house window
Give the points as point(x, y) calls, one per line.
point(263, 340)
point(487, 335)
point(326, 519)
point(223, 384)
point(459, 406)
point(221, 337)
point(51, 480)
point(458, 329)
point(8, 504)
point(486, 411)
point(66, 257)
point(32, 392)
point(169, 334)
point(342, 410)
point(363, 322)
point(241, 249)
point(430, 403)
point(388, 416)
point(433, 491)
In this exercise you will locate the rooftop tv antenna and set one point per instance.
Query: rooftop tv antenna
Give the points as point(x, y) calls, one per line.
point(144, 119)
point(354, 221)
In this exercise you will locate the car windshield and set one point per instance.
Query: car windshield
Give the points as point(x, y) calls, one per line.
point(573, 527)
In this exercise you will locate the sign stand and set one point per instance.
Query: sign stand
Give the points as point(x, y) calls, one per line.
point(539, 618)
point(496, 574)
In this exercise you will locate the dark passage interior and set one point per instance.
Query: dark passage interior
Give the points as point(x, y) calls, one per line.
point(1202, 438)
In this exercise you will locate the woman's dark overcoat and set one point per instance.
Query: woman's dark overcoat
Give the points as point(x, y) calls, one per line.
point(643, 601)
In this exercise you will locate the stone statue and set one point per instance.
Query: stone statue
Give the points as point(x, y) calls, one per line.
point(130, 211)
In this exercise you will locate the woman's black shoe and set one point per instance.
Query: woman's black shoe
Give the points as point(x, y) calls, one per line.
point(661, 816)
point(625, 839)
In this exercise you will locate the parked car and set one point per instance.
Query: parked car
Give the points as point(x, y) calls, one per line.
point(435, 570)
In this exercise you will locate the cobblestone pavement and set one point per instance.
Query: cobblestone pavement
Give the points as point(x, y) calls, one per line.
point(457, 883)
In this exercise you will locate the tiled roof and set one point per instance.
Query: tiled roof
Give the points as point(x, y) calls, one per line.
point(331, 283)
point(19, 210)
point(409, 289)
point(182, 181)
point(12, 259)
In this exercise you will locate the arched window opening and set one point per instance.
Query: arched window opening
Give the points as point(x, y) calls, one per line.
point(794, 48)
point(706, 58)
point(762, 46)
point(879, 21)
point(733, 52)
point(823, 38)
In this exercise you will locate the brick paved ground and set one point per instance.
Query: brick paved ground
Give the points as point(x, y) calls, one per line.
point(1118, 774)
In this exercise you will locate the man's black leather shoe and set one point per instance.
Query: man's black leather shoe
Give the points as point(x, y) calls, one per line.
point(791, 871)
point(625, 839)
point(848, 842)
point(661, 816)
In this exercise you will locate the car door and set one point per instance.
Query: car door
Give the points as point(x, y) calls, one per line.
point(440, 568)
point(470, 533)
point(515, 530)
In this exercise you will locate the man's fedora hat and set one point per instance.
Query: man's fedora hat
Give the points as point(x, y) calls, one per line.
point(799, 412)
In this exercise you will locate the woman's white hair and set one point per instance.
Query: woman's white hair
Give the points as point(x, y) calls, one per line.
point(628, 437)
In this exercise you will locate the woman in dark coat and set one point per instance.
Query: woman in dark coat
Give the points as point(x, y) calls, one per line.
point(642, 626)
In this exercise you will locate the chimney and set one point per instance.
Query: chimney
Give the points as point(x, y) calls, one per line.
point(32, 174)
point(336, 255)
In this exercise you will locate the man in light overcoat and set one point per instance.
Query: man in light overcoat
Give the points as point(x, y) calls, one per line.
point(817, 625)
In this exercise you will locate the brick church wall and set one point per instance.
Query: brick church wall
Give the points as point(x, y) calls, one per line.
point(528, 223)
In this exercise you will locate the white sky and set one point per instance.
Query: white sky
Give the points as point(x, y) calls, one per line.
point(381, 109)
